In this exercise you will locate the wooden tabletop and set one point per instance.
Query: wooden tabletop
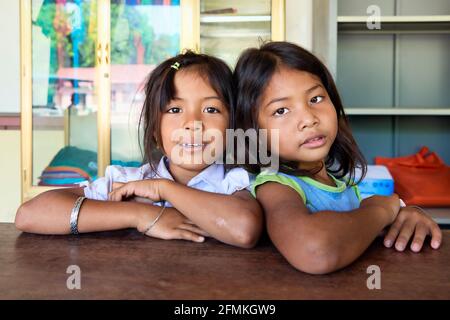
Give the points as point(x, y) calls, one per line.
point(128, 265)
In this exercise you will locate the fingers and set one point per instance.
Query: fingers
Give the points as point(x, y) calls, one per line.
point(415, 225)
point(112, 196)
point(188, 235)
point(117, 185)
point(191, 226)
point(195, 229)
point(122, 192)
point(116, 195)
point(419, 237)
point(406, 232)
point(141, 200)
point(436, 236)
point(393, 232)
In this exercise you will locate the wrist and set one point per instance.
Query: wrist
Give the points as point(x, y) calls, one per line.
point(142, 216)
point(137, 216)
point(165, 185)
point(383, 213)
point(386, 214)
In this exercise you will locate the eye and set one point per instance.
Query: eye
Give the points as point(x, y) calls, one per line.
point(280, 111)
point(174, 110)
point(316, 99)
point(211, 110)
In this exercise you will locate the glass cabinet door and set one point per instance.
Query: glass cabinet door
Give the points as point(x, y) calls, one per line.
point(84, 65)
point(143, 34)
point(229, 27)
point(64, 109)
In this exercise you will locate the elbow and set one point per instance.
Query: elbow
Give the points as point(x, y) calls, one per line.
point(247, 241)
point(317, 257)
point(22, 219)
point(25, 217)
point(249, 231)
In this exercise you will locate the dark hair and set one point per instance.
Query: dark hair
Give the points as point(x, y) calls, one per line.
point(160, 89)
point(252, 74)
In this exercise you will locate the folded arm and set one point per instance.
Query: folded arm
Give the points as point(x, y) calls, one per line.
point(49, 213)
point(235, 219)
point(322, 242)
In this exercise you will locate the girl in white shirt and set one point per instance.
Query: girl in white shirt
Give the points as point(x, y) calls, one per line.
point(189, 195)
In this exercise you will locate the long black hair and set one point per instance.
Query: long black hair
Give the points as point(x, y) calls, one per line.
point(251, 76)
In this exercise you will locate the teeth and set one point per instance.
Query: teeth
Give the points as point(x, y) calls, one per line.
point(314, 139)
point(192, 144)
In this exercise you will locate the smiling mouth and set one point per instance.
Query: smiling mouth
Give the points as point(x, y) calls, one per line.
point(193, 146)
point(314, 142)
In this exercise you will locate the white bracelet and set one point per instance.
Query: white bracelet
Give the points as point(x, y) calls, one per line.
point(156, 220)
point(74, 215)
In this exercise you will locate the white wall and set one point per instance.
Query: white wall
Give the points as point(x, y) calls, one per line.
point(299, 22)
point(10, 174)
point(9, 57)
point(312, 25)
point(9, 103)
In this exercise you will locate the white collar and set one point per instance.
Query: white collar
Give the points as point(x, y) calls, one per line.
point(213, 174)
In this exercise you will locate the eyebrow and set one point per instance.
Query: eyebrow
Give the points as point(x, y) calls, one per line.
point(205, 98)
point(314, 88)
point(286, 98)
point(276, 100)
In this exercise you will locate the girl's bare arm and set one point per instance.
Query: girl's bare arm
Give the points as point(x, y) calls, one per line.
point(322, 242)
point(49, 213)
point(234, 219)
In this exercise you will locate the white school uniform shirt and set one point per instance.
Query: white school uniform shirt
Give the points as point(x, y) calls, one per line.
point(211, 179)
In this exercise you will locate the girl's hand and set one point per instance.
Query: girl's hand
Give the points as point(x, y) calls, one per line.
point(172, 225)
point(149, 189)
point(391, 204)
point(117, 185)
point(412, 220)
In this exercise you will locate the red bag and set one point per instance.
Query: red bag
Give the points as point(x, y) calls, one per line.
point(421, 179)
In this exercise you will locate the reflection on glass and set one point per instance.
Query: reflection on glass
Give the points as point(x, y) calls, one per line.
point(143, 34)
point(64, 110)
point(228, 27)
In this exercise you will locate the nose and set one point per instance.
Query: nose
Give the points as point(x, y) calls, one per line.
point(194, 125)
point(193, 122)
point(307, 119)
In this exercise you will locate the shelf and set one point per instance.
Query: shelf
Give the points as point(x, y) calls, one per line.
point(235, 35)
point(395, 24)
point(398, 111)
point(394, 80)
point(395, 19)
point(234, 18)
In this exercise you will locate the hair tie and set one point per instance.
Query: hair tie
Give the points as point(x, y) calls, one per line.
point(176, 66)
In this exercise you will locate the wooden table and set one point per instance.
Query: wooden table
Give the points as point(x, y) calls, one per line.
point(127, 265)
